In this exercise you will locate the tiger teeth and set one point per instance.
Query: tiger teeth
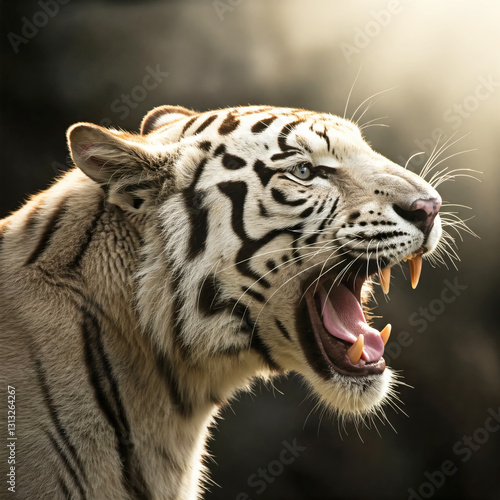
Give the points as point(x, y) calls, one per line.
point(356, 350)
point(384, 277)
point(386, 332)
point(415, 263)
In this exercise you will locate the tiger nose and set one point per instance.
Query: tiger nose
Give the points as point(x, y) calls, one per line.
point(421, 213)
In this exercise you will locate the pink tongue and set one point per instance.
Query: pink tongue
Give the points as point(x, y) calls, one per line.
point(346, 321)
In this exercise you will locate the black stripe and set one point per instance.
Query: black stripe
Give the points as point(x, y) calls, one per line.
point(198, 215)
point(205, 145)
point(279, 196)
point(313, 238)
point(177, 319)
point(149, 124)
point(282, 328)
point(67, 464)
point(306, 213)
point(295, 252)
point(64, 489)
point(333, 209)
point(324, 136)
point(240, 310)
point(258, 345)
point(232, 162)
point(47, 233)
point(236, 191)
point(261, 125)
point(263, 210)
point(197, 174)
point(310, 346)
point(109, 400)
point(88, 236)
point(229, 124)
point(188, 124)
point(285, 154)
point(263, 172)
point(271, 265)
point(285, 132)
point(256, 295)
point(199, 232)
point(205, 124)
point(221, 149)
point(209, 299)
point(165, 367)
point(32, 218)
point(54, 416)
point(322, 206)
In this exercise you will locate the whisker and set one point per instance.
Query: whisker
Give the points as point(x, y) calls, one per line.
point(411, 158)
point(368, 99)
point(370, 124)
point(350, 91)
point(429, 164)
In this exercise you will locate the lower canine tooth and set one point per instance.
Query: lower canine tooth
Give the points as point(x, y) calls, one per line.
point(356, 350)
point(415, 269)
point(384, 277)
point(385, 333)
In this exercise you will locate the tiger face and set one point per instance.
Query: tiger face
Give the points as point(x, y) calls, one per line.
point(264, 229)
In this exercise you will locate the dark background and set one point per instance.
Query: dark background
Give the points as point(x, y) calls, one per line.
point(81, 59)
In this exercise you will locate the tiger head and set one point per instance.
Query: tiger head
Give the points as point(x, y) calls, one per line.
point(263, 229)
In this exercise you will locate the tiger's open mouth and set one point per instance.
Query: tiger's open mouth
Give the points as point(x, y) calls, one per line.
point(342, 336)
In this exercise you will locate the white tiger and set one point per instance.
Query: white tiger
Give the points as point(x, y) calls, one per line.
point(173, 267)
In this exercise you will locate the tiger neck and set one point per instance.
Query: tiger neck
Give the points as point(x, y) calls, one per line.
point(179, 397)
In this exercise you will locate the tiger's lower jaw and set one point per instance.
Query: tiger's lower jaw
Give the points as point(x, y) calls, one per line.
point(350, 378)
point(353, 397)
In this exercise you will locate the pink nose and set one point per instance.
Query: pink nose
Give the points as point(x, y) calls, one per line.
point(421, 213)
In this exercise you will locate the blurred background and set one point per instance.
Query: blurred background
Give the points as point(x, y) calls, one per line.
point(439, 63)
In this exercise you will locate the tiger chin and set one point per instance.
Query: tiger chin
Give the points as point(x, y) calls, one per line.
point(171, 268)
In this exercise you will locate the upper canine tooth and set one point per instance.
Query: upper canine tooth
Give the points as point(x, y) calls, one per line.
point(384, 277)
point(386, 332)
point(356, 350)
point(415, 263)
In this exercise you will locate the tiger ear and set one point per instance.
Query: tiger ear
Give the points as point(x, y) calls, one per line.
point(126, 169)
point(106, 155)
point(162, 115)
